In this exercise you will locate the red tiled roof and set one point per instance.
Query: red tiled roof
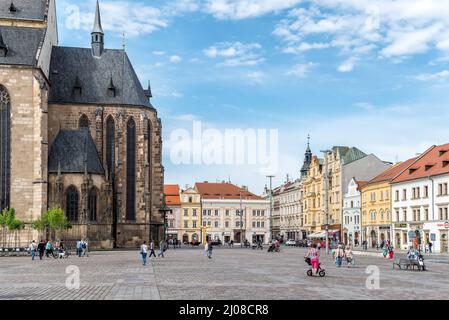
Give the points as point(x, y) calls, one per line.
point(392, 172)
point(360, 184)
point(223, 191)
point(431, 163)
point(171, 192)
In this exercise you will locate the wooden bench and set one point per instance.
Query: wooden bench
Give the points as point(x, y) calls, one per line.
point(404, 263)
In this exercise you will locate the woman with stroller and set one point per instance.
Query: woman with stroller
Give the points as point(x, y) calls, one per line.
point(314, 255)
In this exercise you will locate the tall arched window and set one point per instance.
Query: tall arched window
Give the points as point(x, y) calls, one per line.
point(5, 148)
point(84, 122)
point(72, 200)
point(110, 145)
point(92, 203)
point(150, 156)
point(131, 170)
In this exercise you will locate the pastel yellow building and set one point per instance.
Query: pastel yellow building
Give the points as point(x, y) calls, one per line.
point(376, 206)
point(313, 196)
point(191, 222)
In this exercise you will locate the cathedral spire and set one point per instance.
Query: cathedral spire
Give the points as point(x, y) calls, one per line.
point(97, 34)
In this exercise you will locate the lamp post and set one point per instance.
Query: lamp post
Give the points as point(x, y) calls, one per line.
point(326, 199)
point(271, 207)
point(164, 210)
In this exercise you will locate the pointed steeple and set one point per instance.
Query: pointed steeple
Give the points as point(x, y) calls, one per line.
point(307, 159)
point(3, 47)
point(97, 34)
point(148, 92)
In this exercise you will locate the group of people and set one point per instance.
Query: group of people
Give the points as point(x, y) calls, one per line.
point(144, 250)
point(45, 249)
point(274, 246)
point(341, 254)
point(82, 248)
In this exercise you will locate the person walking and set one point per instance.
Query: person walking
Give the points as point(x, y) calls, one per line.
point(349, 257)
point(78, 248)
point(41, 249)
point(430, 247)
point(152, 253)
point(161, 249)
point(144, 252)
point(339, 254)
point(85, 248)
point(49, 249)
point(209, 250)
point(33, 248)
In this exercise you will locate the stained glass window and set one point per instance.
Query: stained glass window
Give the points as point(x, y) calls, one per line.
point(131, 170)
point(72, 200)
point(5, 148)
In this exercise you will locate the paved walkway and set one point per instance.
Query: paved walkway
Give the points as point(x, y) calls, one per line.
point(231, 274)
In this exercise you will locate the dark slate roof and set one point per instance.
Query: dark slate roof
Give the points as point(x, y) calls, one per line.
point(22, 44)
point(71, 149)
point(26, 9)
point(95, 76)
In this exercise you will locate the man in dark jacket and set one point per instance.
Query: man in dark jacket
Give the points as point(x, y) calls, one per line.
point(41, 249)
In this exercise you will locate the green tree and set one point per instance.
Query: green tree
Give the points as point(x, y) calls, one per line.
point(53, 220)
point(14, 225)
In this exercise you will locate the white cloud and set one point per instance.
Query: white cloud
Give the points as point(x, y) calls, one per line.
point(175, 59)
point(347, 66)
point(367, 28)
point(301, 70)
point(242, 9)
point(233, 54)
point(433, 76)
point(256, 77)
point(159, 53)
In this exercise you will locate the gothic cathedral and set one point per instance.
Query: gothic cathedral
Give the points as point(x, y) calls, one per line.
point(77, 131)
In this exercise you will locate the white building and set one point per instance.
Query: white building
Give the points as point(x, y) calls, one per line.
point(290, 211)
point(352, 203)
point(421, 201)
point(231, 213)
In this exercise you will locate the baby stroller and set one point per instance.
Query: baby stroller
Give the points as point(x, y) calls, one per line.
point(320, 271)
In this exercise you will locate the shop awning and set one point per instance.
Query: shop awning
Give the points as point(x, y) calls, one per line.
point(321, 234)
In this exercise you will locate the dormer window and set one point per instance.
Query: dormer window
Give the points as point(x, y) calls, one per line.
point(442, 152)
point(412, 170)
point(77, 87)
point(445, 163)
point(428, 167)
point(112, 91)
point(3, 47)
point(12, 8)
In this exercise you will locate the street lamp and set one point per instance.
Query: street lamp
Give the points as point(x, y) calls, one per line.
point(271, 208)
point(326, 200)
point(164, 210)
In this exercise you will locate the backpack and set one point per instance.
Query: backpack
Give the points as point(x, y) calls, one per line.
point(84, 246)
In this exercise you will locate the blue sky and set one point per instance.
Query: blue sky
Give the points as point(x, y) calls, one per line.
point(366, 73)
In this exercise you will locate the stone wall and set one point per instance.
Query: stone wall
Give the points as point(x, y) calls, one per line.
point(149, 172)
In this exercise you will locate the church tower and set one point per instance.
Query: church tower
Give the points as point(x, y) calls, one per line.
point(97, 35)
point(307, 159)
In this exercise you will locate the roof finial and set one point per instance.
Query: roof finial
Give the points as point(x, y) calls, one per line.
point(124, 40)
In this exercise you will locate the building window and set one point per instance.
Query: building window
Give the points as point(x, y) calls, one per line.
point(204, 212)
point(216, 212)
point(194, 213)
point(92, 202)
point(209, 212)
point(186, 224)
point(204, 223)
point(426, 214)
point(150, 153)
point(227, 212)
point(209, 223)
point(84, 122)
point(5, 148)
point(397, 195)
point(72, 204)
point(110, 145)
point(216, 224)
point(426, 191)
point(131, 170)
point(186, 212)
point(190, 200)
point(194, 224)
point(254, 224)
point(262, 224)
point(227, 224)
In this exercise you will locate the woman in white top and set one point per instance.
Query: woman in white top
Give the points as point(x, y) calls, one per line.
point(144, 252)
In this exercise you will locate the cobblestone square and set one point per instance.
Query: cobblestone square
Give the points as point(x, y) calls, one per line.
point(235, 274)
